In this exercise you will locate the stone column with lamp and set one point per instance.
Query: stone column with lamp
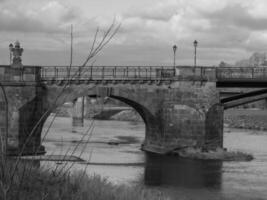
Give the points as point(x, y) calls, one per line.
point(16, 70)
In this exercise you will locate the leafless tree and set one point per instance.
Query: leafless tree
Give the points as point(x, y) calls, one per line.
point(7, 174)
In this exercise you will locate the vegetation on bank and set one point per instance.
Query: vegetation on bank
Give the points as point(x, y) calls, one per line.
point(31, 182)
point(246, 119)
point(219, 154)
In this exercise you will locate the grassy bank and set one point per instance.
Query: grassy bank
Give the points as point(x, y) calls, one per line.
point(247, 119)
point(38, 184)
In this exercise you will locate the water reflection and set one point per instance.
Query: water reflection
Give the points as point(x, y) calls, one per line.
point(174, 171)
point(34, 163)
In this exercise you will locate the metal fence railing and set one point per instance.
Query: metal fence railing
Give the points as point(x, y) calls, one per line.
point(106, 73)
point(127, 73)
point(241, 73)
point(47, 73)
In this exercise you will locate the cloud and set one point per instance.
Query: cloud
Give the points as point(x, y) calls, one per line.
point(159, 12)
point(50, 17)
point(225, 29)
point(239, 16)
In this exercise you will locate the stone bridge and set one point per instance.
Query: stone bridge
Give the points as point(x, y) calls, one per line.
point(180, 106)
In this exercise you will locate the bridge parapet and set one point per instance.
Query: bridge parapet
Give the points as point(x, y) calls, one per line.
point(26, 74)
point(145, 73)
point(238, 73)
point(30, 74)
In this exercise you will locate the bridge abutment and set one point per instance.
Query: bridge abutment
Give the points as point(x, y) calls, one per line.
point(20, 110)
point(18, 120)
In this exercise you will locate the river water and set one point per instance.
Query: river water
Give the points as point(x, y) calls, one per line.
point(112, 149)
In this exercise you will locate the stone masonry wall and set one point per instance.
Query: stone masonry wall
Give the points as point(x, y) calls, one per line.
point(176, 116)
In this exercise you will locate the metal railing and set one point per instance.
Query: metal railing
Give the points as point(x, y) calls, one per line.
point(105, 73)
point(241, 73)
point(127, 73)
point(187, 73)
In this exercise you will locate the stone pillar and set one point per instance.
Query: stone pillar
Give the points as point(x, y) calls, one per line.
point(78, 112)
point(24, 132)
point(214, 127)
point(188, 115)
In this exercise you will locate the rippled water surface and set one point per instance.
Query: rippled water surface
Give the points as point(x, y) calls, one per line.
point(113, 150)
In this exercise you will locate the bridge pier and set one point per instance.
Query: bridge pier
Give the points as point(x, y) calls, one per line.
point(20, 110)
point(176, 117)
point(24, 110)
point(187, 116)
point(78, 112)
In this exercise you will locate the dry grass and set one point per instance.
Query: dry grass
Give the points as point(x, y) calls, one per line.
point(38, 184)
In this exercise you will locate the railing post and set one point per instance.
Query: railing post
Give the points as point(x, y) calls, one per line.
point(252, 72)
point(103, 69)
point(41, 72)
point(150, 73)
point(35, 73)
point(162, 73)
point(55, 73)
point(216, 73)
point(139, 72)
point(127, 71)
point(44, 74)
point(115, 72)
point(80, 71)
point(21, 73)
point(91, 72)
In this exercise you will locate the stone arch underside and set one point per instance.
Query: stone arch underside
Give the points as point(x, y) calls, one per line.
point(42, 107)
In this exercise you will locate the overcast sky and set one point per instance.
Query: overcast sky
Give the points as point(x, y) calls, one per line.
point(227, 30)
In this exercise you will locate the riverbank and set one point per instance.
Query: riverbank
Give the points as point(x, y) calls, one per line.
point(178, 178)
point(38, 183)
point(246, 119)
point(218, 154)
point(233, 118)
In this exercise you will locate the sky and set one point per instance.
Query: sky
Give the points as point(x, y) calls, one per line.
point(226, 30)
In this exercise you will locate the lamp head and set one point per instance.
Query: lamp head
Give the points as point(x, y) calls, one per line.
point(17, 44)
point(10, 47)
point(174, 47)
point(195, 43)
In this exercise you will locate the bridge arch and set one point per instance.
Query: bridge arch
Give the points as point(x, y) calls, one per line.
point(162, 108)
point(50, 95)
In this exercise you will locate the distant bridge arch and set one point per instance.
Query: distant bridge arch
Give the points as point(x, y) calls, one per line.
point(128, 95)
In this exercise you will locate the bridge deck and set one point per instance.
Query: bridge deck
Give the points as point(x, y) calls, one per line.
point(224, 77)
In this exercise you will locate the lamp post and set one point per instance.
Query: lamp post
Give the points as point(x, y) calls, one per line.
point(10, 52)
point(174, 48)
point(195, 55)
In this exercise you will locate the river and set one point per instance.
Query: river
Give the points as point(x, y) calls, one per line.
point(112, 149)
